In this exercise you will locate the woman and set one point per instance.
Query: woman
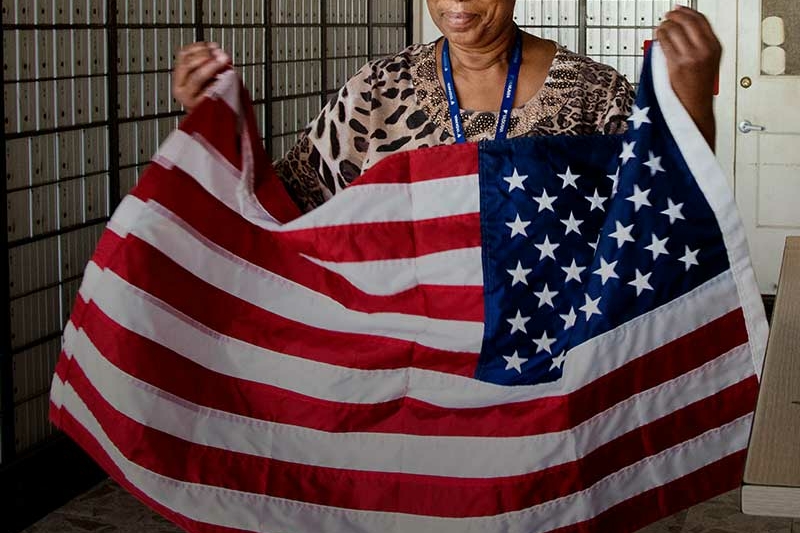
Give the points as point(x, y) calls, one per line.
point(401, 102)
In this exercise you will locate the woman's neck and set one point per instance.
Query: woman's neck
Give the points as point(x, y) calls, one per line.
point(476, 59)
point(480, 74)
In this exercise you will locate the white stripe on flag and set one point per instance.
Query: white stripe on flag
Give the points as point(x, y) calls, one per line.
point(461, 267)
point(92, 276)
point(387, 202)
point(386, 452)
point(256, 512)
point(396, 202)
point(126, 215)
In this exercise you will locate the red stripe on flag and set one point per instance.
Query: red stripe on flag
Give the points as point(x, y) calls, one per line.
point(183, 196)
point(107, 247)
point(388, 240)
point(89, 444)
point(424, 165)
point(406, 415)
point(405, 493)
point(641, 510)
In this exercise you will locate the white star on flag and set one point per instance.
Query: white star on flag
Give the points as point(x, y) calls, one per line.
point(518, 323)
point(543, 344)
point(515, 362)
point(545, 201)
point(654, 163)
point(569, 178)
point(658, 247)
point(596, 201)
point(639, 117)
point(548, 249)
point(519, 274)
point(623, 234)
point(594, 244)
point(518, 227)
point(569, 319)
point(573, 272)
point(607, 271)
point(642, 282)
point(558, 361)
point(546, 296)
point(673, 211)
point(592, 307)
point(690, 258)
point(639, 198)
point(614, 181)
point(627, 151)
point(515, 181)
point(572, 224)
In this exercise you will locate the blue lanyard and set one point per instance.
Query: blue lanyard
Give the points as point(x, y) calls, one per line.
point(503, 121)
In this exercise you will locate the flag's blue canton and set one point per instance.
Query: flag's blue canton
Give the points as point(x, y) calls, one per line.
point(549, 284)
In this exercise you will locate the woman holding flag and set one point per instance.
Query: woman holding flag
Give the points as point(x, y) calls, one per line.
point(485, 79)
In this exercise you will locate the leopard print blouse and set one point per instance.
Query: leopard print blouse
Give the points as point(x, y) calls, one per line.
point(397, 103)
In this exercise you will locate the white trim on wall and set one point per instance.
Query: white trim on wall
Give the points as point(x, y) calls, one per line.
point(429, 32)
point(722, 14)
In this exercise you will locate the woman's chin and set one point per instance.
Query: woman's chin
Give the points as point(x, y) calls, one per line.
point(463, 35)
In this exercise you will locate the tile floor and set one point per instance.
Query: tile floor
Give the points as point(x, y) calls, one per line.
point(108, 508)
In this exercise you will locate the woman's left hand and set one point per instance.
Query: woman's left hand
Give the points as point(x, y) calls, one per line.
point(693, 55)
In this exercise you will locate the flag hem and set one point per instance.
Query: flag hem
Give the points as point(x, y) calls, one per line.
point(703, 164)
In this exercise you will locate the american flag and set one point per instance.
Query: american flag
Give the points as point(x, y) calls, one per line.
point(544, 334)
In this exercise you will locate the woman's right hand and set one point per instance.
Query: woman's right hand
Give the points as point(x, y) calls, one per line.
point(196, 68)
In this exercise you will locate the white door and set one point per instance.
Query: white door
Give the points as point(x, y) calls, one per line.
point(768, 160)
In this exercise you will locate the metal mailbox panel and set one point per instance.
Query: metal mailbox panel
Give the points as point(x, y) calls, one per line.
point(18, 215)
point(43, 158)
point(44, 209)
point(18, 163)
point(46, 109)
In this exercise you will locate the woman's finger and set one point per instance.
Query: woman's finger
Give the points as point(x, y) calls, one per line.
point(194, 63)
point(696, 28)
point(673, 40)
point(189, 62)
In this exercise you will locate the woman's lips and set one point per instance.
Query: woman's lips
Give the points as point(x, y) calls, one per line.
point(459, 19)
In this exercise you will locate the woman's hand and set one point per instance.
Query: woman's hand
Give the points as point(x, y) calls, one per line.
point(197, 66)
point(693, 54)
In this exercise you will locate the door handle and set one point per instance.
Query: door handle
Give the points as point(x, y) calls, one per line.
point(746, 126)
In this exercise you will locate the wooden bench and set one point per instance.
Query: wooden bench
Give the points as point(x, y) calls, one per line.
point(772, 473)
